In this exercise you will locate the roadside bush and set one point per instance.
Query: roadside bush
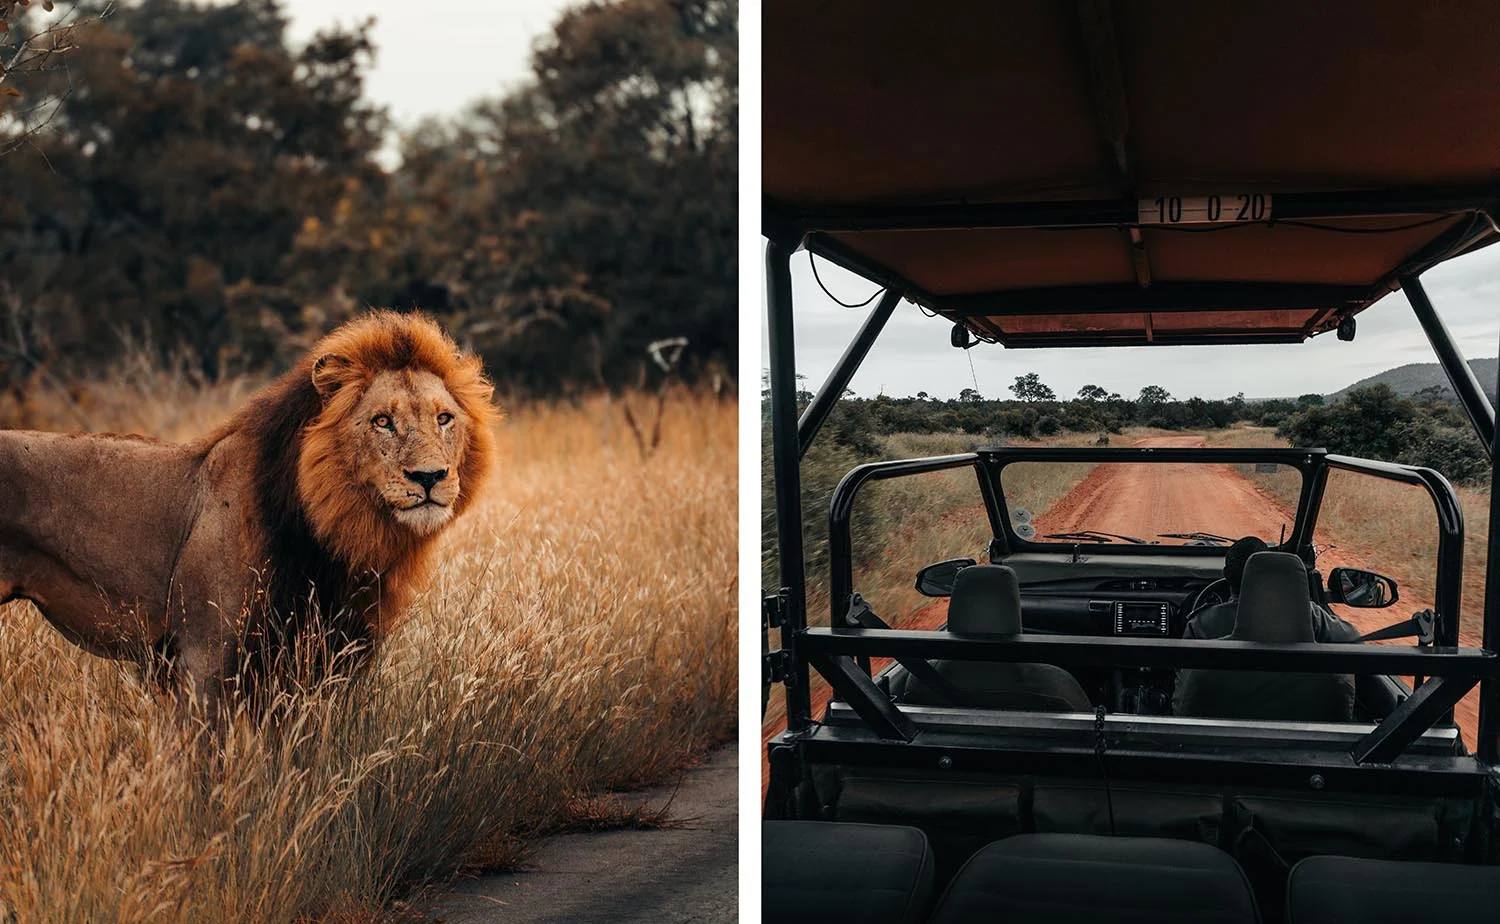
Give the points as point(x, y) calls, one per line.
point(1376, 423)
point(1368, 422)
point(1453, 451)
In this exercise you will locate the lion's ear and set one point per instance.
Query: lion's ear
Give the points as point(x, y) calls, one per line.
point(329, 373)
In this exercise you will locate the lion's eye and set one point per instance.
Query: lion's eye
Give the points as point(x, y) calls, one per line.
point(383, 421)
point(444, 419)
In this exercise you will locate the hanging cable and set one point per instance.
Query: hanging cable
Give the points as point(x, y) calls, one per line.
point(814, 264)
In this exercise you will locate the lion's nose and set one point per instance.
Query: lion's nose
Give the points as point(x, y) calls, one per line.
point(429, 478)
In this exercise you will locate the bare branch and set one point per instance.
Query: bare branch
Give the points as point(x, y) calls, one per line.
point(33, 53)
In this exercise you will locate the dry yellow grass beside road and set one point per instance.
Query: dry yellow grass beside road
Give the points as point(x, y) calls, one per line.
point(580, 637)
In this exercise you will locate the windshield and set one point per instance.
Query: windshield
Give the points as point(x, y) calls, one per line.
point(1144, 503)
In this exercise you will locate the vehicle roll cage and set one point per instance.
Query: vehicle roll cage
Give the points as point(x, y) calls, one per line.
point(1313, 464)
point(1451, 671)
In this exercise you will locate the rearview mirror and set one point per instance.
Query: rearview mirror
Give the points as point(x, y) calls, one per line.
point(1364, 589)
point(937, 580)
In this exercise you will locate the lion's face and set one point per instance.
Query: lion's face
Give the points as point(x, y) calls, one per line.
point(403, 443)
point(406, 438)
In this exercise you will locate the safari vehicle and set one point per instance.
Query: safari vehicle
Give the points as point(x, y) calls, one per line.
point(1109, 174)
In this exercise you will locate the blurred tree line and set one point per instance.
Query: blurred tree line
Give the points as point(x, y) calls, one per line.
point(858, 422)
point(1427, 429)
point(183, 178)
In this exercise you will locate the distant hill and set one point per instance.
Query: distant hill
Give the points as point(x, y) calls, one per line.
point(1413, 377)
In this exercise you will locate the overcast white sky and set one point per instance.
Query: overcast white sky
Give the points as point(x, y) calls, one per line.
point(913, 354)
point(435, 58)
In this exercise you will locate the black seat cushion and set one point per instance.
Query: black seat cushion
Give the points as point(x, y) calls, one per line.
point(1274, 607)
point(833, 872)
point(1335, 889)
point(987, 601)
point(1023, 687)
point(1098, 880)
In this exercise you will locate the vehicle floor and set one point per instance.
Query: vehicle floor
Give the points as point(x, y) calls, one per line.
point(1145, 500)
point(685, 871)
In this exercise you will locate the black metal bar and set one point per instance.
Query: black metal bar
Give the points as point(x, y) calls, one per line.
point(1314, 485)
point(1471, 396)
point(1115, 651)
point(1314, 476)
point(1161, 296)
point(1307, 461)
point(841, 510)
point(1428, 703)
point(1175, 338)
point(1114, 213)
point(1489, 691)
point(787, 470)
point(1005, 537)
point(989, 492)
point(1430, 777)
point(827, 396)
point(1297, 458)
point(855, 687)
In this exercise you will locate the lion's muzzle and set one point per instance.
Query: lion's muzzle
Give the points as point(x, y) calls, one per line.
point(427, 479)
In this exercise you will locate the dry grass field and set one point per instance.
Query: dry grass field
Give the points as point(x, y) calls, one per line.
point(1391, 527)
point(580, 638)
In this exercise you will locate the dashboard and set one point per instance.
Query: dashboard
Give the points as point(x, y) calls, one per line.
point(1131, 595)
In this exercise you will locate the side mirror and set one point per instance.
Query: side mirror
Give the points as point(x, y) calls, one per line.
point(1364, 589)
point(936, 580)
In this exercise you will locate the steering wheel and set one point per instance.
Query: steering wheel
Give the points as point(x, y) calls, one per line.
point(1216, 592)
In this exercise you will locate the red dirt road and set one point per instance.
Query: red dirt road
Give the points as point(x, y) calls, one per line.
point(1147, 500)
point(1144, 500)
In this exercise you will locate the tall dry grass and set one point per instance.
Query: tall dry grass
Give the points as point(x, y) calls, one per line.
point(580, 637)
point(1391, 527)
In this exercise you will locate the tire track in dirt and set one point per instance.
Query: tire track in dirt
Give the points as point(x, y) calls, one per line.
point(1145, 500)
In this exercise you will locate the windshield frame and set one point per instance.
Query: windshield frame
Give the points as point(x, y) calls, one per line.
point(1307, 462)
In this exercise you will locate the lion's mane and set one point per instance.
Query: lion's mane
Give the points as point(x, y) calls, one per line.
point(337, 564)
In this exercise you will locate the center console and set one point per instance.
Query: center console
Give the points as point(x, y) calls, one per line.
point(1141, 691)
point(1151, 618)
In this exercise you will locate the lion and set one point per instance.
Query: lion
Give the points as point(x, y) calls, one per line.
point(314, 509)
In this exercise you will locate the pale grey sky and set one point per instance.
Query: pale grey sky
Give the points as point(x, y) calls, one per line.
point(913, 354)
point(435, 58)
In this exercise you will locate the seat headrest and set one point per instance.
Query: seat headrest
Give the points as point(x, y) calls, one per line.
point(1275, 604)
point(986, 600)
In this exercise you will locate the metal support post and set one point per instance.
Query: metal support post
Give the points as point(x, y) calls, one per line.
point(786, 463)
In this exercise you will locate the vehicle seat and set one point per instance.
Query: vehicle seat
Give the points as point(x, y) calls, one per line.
point(986, 600)
point(835, 872)
point(1274, 607)
point(1335, 889)
point(1098, 880)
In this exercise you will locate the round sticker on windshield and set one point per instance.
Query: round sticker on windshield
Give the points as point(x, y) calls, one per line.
point(1026, 531)
point(1021, 515)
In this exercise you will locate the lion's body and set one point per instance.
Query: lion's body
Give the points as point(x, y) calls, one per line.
point(302, 512)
